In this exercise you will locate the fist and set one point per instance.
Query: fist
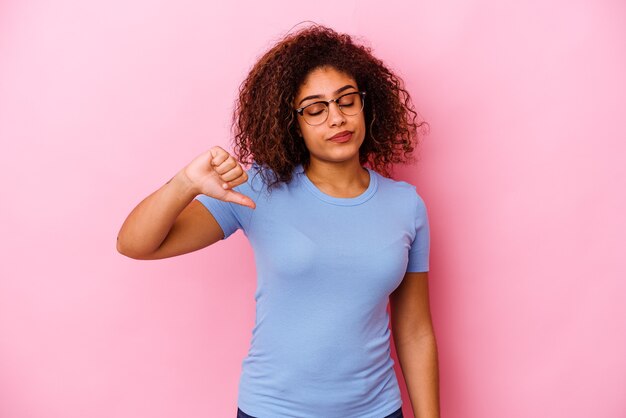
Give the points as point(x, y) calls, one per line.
point(215, 172)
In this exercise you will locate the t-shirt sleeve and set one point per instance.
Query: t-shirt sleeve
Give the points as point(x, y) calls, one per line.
point(231, 216)
point(223, 212)
point(420, 246)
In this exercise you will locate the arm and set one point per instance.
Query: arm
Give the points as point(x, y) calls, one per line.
point(171, 222)
point(168, 223)
point(415, 343)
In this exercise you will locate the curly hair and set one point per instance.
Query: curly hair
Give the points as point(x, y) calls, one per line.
point(264, 124)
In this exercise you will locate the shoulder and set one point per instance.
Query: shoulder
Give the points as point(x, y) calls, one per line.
point(400, 189)
point(257, 185)
point(255, 180)
point(404, 197)
point(260, 177)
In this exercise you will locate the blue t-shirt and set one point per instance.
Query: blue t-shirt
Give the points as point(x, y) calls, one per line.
point(325, 269)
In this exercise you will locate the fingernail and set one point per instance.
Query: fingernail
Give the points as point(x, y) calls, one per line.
point(225, 185)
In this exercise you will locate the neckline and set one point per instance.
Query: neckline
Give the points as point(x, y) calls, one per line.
point(341, 201)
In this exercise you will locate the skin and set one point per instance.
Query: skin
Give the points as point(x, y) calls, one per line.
point(334, 167)
point(416, 345)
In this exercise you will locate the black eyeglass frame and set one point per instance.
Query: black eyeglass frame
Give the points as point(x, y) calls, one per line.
point(300, 110)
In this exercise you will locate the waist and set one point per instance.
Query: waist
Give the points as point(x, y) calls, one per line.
point(395, 414)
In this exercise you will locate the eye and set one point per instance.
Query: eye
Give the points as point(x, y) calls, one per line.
point(314, 109)
point(346, 100)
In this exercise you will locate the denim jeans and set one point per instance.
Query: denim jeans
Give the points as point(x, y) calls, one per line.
point(395, 414)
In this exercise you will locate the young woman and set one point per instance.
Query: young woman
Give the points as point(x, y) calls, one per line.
point(318, 119)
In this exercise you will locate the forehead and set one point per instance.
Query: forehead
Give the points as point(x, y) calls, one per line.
point(324, 81)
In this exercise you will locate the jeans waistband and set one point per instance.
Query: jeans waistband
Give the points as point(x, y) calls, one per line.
point(396, 414)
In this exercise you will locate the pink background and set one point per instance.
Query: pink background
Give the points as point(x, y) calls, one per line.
point(523, 174)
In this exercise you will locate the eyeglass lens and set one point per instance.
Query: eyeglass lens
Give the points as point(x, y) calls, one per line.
point(350, 104)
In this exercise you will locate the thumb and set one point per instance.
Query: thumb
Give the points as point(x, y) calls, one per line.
point(212, 154)
point(239, 198)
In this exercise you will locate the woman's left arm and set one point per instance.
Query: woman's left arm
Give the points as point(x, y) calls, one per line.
point(415, 343)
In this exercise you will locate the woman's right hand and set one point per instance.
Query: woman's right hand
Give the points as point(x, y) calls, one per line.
point(209, 171)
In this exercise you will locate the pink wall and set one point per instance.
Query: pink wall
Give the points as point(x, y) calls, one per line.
point(523, 174)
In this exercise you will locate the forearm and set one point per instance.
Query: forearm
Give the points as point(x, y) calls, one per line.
point(150, 221)
point(419, 362)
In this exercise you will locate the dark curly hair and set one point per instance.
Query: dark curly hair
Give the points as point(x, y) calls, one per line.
point(264, 124)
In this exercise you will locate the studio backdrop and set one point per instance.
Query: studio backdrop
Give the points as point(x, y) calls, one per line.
point(522, 172)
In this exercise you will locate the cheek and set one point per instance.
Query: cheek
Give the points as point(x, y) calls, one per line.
point(362, 121)
point(310, 141)
point(363, 129)
point(307, 131)
point(310, 133)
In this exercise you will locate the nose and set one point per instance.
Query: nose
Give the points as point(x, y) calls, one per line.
point(335, 115)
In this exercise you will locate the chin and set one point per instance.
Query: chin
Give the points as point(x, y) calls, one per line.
point(343, 157)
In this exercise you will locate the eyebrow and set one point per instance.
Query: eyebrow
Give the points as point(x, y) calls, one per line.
point(319, 96)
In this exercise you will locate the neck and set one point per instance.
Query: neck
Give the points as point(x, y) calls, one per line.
point(347, 176)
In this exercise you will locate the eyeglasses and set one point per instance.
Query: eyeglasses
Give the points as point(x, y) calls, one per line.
point(349, 104)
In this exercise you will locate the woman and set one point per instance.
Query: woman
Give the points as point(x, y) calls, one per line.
point(334, 241)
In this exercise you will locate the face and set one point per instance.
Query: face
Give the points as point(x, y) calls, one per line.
point(324, 84)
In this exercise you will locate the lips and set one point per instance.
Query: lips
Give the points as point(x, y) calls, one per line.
point(341, 136)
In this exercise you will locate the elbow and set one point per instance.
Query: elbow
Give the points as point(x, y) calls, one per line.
point(130, 253)
point(121, 248)
point(118, 246)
